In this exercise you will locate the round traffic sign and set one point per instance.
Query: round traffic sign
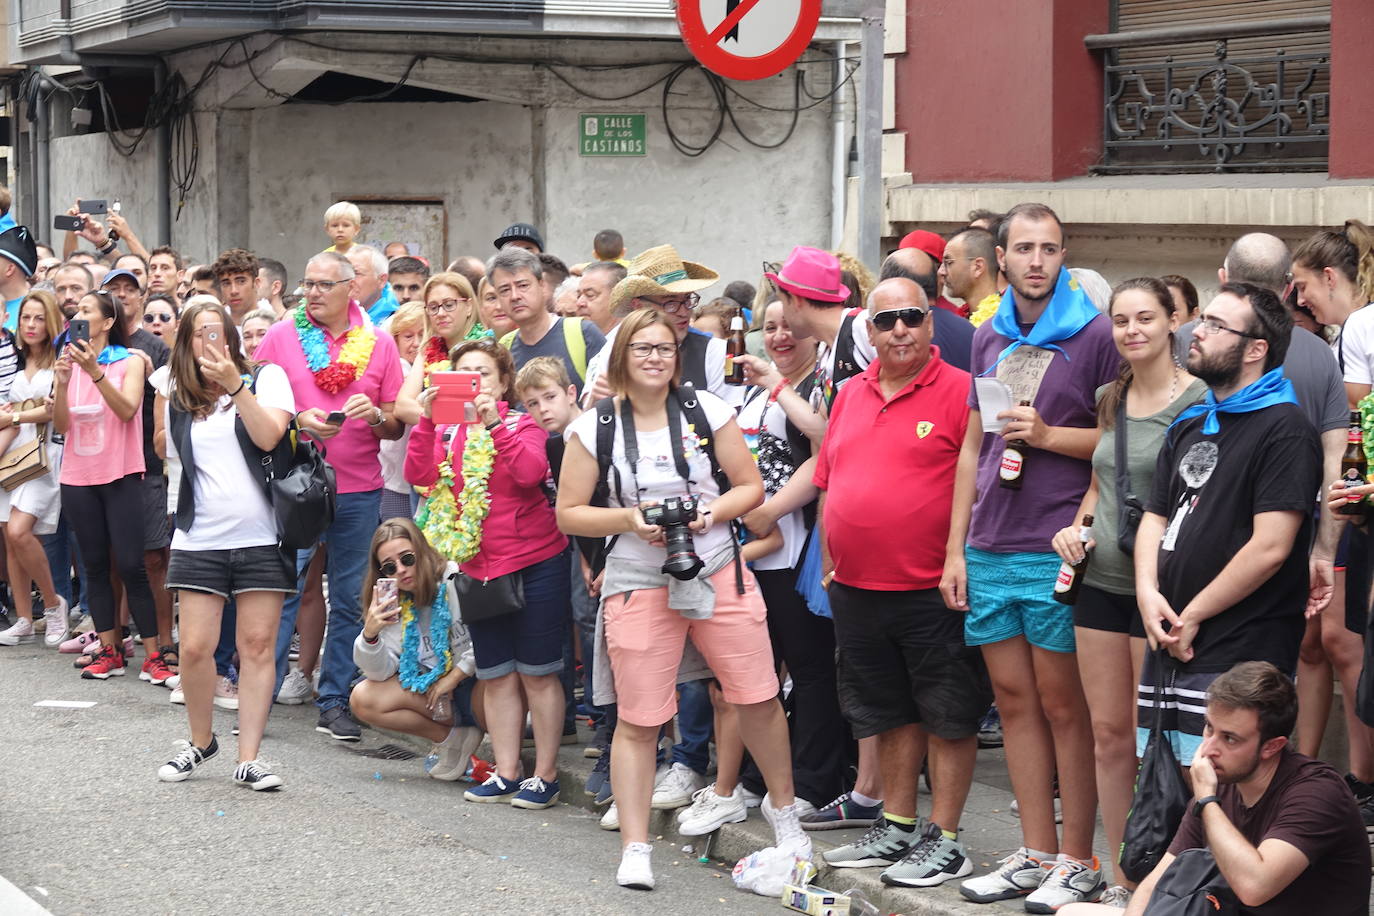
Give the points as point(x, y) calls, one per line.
point(747, 39)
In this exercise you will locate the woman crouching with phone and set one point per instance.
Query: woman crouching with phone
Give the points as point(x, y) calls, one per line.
point(225, 543)
point(417, 676)
point(646, 614)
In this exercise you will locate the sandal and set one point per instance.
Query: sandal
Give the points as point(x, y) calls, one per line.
point(170, 657)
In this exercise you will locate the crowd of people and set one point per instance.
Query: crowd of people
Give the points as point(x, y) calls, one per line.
point(981, 498)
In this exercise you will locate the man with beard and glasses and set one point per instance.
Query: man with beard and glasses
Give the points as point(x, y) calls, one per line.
point(1282, 828)
point(1221, 554)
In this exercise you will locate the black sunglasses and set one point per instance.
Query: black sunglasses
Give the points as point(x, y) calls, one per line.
point(389, 568)
point(887, 320)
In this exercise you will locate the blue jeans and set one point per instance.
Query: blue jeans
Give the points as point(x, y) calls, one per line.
point(695, 721)
point(346, 542)
point(228, 638)
point(584, 627)
point(61, 549)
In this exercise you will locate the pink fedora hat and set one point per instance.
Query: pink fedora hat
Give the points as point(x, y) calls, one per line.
point(812, 274)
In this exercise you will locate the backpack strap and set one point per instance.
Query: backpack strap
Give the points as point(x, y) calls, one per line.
point(577, 346)
point(686, 398)
point(507, 339)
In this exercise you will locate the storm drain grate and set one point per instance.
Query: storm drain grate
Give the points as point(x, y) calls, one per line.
point(386, 752)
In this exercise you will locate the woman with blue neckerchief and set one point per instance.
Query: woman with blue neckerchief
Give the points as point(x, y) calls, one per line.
point(414, 651)
point(97, 401)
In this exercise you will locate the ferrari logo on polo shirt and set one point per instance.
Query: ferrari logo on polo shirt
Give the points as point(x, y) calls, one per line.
point(924, 429)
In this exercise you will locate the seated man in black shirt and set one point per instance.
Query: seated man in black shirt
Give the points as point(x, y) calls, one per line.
point(1284, 829)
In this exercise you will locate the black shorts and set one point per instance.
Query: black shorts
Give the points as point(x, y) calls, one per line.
point(1357, 575)
point(891, 675)
point(157, 524)
point(231, 572)
point(1099, 610)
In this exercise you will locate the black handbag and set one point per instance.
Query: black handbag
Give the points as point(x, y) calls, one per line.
point(1161, 795)
point(1192, 885)
point(487, 599)
point(1130, 510)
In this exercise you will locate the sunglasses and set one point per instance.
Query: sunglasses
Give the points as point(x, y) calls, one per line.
point(887, 320)
point(163, 317)
point(389, 568)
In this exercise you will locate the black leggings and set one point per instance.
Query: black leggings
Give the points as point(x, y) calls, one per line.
point(109, 516)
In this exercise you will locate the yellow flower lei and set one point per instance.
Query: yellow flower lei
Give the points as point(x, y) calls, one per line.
point(453, 525)
point(986, 309)
point(357, 349)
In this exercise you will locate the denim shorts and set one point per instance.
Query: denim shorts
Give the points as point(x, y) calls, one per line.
point(231, 572)
point(530, 641)
point(1012, 594)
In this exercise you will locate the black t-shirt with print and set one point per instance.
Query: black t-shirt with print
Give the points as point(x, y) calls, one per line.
point(1208, 489)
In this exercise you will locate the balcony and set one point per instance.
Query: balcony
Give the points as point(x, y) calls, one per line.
point(1227, 97)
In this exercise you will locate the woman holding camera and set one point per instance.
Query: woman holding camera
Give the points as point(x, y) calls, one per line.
point(417, 677)
point(487, 511)
point(97, 405)
point(225, 544)
point(648, 612)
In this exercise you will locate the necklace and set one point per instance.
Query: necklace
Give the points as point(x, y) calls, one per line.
point(1173, 385)
point(337, 374)
point(453, 522)
point(439, 621)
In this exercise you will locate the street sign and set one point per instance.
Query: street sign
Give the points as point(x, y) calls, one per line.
point(747, 39)
point(611, 134)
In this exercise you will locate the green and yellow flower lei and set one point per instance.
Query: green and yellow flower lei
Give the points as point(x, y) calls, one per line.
point(453, 525)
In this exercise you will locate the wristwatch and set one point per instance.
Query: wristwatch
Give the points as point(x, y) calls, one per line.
point(1203, 803)
point(381, 418)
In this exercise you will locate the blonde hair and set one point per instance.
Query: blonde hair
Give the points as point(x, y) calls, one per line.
point(344, 210)
point(459, 282)
point(541, 372)
point(407, 316)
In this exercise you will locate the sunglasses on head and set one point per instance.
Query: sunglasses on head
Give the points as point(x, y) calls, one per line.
point(389, 568)
point(887, 320)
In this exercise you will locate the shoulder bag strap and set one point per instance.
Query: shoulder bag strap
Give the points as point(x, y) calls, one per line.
point(1123, 469)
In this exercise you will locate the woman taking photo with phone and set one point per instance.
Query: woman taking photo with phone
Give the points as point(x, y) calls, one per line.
point(225, 544)
point(451, 312)
point(417, 677)
point(487, 511)
point(97, 402)
point(35, 504)
point(648, 614)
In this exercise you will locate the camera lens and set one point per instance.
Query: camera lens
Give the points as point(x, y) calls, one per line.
point(682, 562)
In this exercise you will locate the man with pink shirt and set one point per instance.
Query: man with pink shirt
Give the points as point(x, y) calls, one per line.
point(338, 363)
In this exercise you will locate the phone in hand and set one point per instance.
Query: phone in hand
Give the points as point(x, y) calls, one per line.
point(386, 592)
point(335, 418)
point(214, 336)
point(80, 329)
point(92, 206)
point(454, 402)
point(69, 223)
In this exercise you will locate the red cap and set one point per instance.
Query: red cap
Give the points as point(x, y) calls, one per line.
point(926, 241)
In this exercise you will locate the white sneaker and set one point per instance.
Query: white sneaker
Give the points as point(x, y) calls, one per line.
point(19, 633)
point(55, 631)
point(295, 689)
point(787, 828)
point(452, 758)
point(1016, 876)
point(635, 869)
point(611, 819)
point(751, 799)
point(226, 694)
point(177, 695)
point(1069, 881)
point(676, 787)
point(1115, 896)
point(709, 812)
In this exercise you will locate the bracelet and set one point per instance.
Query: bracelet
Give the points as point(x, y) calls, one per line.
point(109, 247)
point(777, 390)
point(371, 642)
point(97, 381)
point(242, 385)
point(492, 426)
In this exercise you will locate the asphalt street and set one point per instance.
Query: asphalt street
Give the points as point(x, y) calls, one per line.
point(88, 828)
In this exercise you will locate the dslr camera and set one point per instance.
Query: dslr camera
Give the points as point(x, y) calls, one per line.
point(673, 515)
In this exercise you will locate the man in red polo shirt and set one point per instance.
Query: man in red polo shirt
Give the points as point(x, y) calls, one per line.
point(904, 672)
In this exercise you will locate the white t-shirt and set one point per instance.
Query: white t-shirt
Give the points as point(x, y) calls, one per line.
point(760, 418)
point(161, 381)
point(657, 476)
point(232, 510)
point(1356, 345)
point(392, 454)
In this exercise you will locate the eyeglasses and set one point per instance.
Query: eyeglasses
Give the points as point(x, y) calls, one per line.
point(887, 320)
point(949, 262)
point(448, 305)
point(152, 317)
point(389, 568)
point(1211, 326)
point(323, 286)
point(642, 350)
point(683, 304)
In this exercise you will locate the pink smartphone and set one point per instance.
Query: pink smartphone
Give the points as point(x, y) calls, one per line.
point(386, 590)
point(454, 402)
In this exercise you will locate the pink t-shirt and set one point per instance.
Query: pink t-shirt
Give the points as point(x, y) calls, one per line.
point(100, 447)
point(353, 452)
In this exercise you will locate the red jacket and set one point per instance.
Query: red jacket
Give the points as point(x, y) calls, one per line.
point(520, 529)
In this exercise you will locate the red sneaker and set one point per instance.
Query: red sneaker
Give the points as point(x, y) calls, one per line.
point(155, 670)
point(479, 770)
point(109, 662)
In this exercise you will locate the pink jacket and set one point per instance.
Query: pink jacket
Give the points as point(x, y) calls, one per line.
point(520, 529)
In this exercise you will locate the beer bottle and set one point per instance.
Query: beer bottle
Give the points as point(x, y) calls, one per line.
point(1013, 466)
point(1070, 578)
point(1353, 466)
point(734, 348)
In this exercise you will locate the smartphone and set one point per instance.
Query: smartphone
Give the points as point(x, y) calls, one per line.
point(80, 329)
point(454, 402)
point(69, 223)
point(214, 336)
point(336, 417)
point(386, 591)
point(92, 206)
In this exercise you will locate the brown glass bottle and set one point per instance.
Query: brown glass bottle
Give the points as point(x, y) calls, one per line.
point(1070, 578)
point(1353, 467)
point(1012, 470)
point(735, 347)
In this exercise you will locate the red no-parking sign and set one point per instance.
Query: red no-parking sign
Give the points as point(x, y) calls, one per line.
point(747, 39)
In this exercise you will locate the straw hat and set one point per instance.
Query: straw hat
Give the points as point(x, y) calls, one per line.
point(661, 271)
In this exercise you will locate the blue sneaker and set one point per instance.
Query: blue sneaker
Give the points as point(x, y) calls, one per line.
point(535, 794)
point(495, 789)
point(841, 813)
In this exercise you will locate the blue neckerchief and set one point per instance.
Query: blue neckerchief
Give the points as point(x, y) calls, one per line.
point(1269, 389)
point(1068, 312)
point(112, 355)
point(385, 305)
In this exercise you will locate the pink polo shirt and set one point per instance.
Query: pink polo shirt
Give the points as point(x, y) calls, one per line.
point(353, 452)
